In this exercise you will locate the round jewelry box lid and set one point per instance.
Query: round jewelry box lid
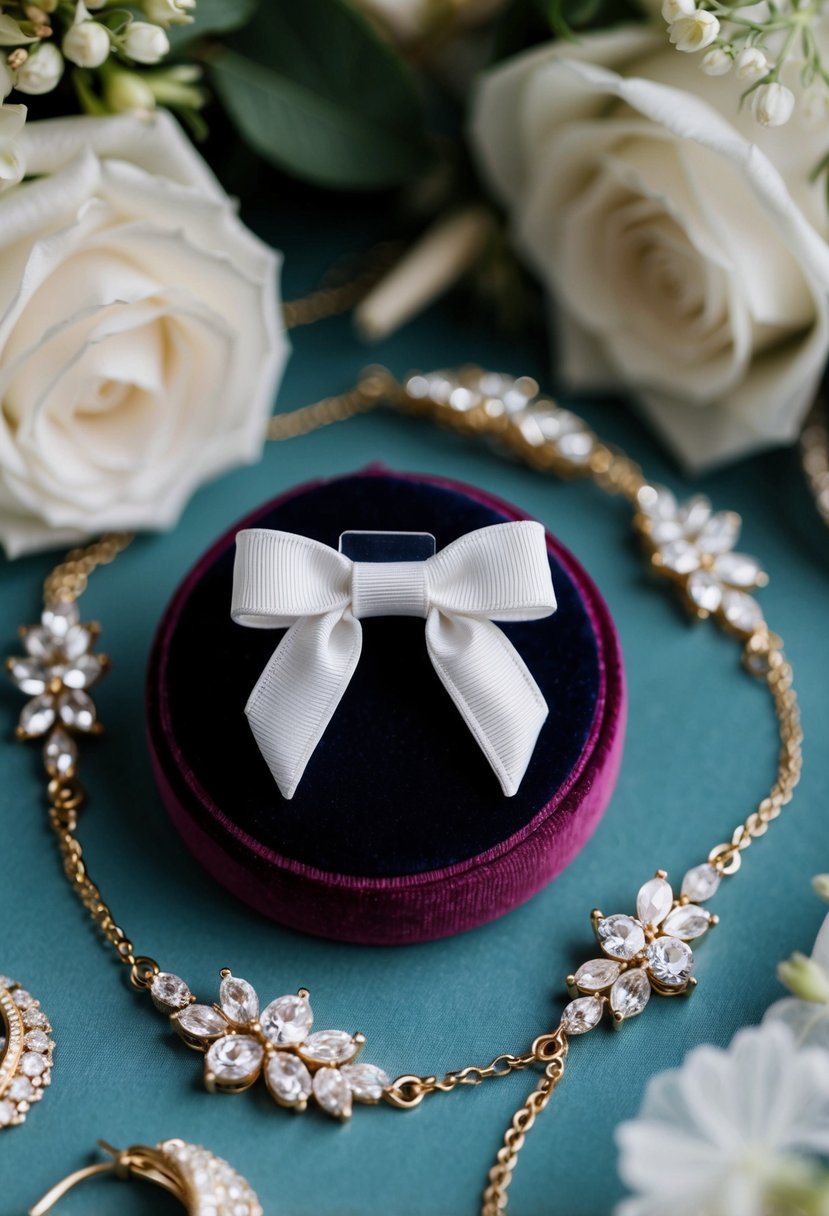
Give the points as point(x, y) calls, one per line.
point(398, 831)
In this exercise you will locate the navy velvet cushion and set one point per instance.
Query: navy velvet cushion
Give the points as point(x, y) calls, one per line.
point(397, 786)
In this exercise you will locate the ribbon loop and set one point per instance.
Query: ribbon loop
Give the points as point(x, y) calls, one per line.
point(497, 573)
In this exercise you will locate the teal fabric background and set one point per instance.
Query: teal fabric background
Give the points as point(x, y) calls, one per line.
point(699, 754)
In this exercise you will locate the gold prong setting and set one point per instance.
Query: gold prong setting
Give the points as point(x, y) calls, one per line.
point(642, 954)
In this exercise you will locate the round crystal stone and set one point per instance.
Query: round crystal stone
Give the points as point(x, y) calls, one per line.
point(670, 961)
point(653, 903)
point(621, 937)
point(22, 998)
point(36, 1040)
point(287, 1020)
point(599, 973)
point(687, 922)
point(329, 1047)
point(21, 1090)
point(8, 1111)
point(288, 1080)
point(239, 1000)
point(234, 1059)
point(332, 1091)
point(33, 1064)
point(169, 992)
point(35, 1017)
point(631, 993)
point(366, 1081)
point(582, 1014)
point(700, 883)
point(202, 1021)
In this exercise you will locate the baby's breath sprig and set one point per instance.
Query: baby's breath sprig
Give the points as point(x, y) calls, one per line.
point(759, 43)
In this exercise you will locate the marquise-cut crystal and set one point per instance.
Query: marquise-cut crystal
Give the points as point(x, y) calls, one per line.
point(653, 903)
point(720, 533)
point(169, 992)
point(738, 569)
point(29, 676)
point(631, 993)
point(582, 1014)
point(366, 1081)
point(694, 514)
point(76, 709)
point(287, 1020)
point(329, 1047)
point(202, 1021)
point(621, 937)
point(60, 753)
point(332, 1091)
point(687, 922)
point(741, 610)
point(77, 642)
point(40, 643)
point(234, 1059)
point(239, 1000)
point(599, 973)
point(38, 715)
point(705, 590)
point(657, 502)
point(59, 618)
point(700, 883)
point(83, 672)
point(288, 1080)
point(680, 556)
point(670, 961)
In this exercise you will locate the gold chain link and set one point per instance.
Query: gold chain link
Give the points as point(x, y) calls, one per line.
point(67, 582)
point(336, 297)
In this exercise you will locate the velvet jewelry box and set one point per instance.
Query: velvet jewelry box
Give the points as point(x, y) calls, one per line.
point(399, 831)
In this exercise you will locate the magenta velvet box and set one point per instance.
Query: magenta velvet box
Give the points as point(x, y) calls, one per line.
point(399, 831)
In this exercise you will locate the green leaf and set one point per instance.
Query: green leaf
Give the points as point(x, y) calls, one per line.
point(213, 17)
point(313, 89)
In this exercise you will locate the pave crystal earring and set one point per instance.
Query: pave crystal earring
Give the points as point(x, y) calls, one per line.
point(25, 1052)
point(203, 1183)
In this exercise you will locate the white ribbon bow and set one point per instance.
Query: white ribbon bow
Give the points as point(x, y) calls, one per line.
point(497, 573)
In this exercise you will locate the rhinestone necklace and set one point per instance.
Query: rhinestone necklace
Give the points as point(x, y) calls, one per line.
point(639, 953)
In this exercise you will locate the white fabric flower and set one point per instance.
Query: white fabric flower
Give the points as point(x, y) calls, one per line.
point(12, 119)
point(140, 337)
point(685, 247)
point(807, 1020)
point(714, 1135)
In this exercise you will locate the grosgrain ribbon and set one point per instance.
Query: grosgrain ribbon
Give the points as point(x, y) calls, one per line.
point(499, 573)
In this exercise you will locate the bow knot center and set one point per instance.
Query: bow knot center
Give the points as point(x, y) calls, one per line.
point(389, 589)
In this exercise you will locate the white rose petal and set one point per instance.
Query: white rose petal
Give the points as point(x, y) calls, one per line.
point(751, 64)
point(41, 71)
point(716, 62)
point(87, 44)
point(772, 104)
point(685, 247)
point(145, 43)
point(140, 339)
point(695, 32)
point(12, 165)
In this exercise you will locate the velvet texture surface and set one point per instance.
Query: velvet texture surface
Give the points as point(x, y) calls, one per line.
point(398, 831)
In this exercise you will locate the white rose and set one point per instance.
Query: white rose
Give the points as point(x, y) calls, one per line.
point(688, 261)
point(145, 43)
point(141, 339)
point(12, 119)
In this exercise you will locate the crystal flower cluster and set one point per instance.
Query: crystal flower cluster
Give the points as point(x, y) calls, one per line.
point(758, 43)
point(645, 953)
point(56, 672)
point(25, 1052)
point(104, 47)
point(242, 1043)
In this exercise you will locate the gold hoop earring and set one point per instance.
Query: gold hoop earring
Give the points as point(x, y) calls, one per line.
point(25, 1052)
point(202, 1182)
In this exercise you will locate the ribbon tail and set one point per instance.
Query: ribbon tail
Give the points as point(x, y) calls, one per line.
point(492, 687)
point(299, 690)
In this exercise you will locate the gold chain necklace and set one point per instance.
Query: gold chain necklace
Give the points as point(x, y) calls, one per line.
point(638, 954)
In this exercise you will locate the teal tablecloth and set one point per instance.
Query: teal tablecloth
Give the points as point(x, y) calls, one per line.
point(699, 754)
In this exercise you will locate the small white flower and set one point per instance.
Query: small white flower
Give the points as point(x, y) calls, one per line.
point(87, 44)
point(169, 12)
point(716, 62)
point(717, 1134)
point(805, 977)
point(808, 1020)
point(41, 71)
point(672, 10)
point(772, 104)
point(145, 43)
point(751, 64)
point(694, 32)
